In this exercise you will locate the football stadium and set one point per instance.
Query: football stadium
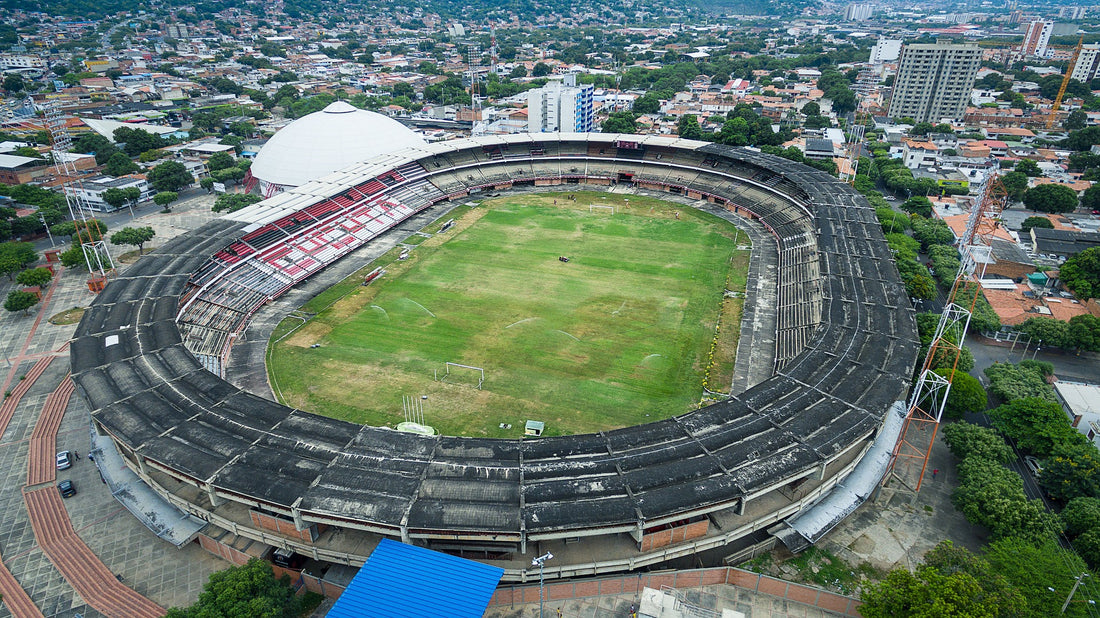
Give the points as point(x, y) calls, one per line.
point(827, 346)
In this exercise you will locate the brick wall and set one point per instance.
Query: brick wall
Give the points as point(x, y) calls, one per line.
point(283, 526)
point(633, 584)
point(677, 534)
point(226, 552)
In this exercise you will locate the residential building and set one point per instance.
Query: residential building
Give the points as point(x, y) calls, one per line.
point(92, 190)
point(859, 12)
point(1088, 61)
point(561, 106)
point(1072, 12)
point(1036, 39)
point(934, 81)
point(885, 50)
point(919, 154)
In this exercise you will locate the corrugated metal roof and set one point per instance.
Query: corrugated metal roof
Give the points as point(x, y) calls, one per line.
point(401, 580)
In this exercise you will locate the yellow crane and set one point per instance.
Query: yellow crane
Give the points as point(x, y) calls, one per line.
point(1065, 82)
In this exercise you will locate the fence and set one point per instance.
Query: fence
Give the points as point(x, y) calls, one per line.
point(633, 584)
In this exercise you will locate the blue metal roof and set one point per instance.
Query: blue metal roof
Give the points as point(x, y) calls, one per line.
point(402, 580)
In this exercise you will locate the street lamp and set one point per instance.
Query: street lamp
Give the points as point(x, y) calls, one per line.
point(539, 562)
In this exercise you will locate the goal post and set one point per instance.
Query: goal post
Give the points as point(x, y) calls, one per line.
point(597, 207)
point(480, 372)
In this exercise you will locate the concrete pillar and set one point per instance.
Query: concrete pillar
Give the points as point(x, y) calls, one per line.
point(215, 499)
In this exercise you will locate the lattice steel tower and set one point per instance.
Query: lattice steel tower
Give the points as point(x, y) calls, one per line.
point(926, 403)
point(96, 254)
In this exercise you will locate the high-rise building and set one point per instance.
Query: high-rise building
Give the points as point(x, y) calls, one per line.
point(859, 12)
point(1072, 12)
point(561, 106)
point(1036, 39)
point(1088, 61)
point(934, 80)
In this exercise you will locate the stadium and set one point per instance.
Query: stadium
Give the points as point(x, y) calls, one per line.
point(831, 324)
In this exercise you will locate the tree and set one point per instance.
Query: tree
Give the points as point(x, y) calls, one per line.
point(164, 198)
point(688, 127)
point(1075, 121)
point(170, 176)
point(619, 122)
point(1072, 472)
point(1080, 515)
point(918, 205)
point(648, 103)
point(966, 395)
point(990, 495)
point(1046, 330)
point(14, 256)
point(220, 161)
point(133, 236)
point(928, 594)
point(1034, 568)
point(1038, 426)
point(1029, 167)
point(18, 300)
point(34, 277)
point(932, 232)
point(1090, 199)
point(133, 194)
point(811, 109)
point(1051, 198)
point(1040, 222)
point(115, 197)
point(541, 69)
point(232, 202)
point(1083, 333)
point(1010, 382)
point(13, 83)
point(207, 183)
point(119, 165)
point(248, 590)
point(73, 257)
point(1081, 273)
point(1015, 184)
point(966, 440)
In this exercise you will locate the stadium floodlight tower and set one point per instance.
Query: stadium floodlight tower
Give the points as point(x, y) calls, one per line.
point(929, 396)
point(96, 255)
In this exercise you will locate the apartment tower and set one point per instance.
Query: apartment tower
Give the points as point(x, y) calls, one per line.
point(934, 80)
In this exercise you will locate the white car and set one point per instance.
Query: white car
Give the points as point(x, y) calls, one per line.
point(64, 460)
point(1033, 466)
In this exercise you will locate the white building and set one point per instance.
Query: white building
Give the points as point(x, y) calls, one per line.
point(885, 50)
point(1088, 61)
point(561, 106)
point(1082, 403)
point(92, 190)
point(10, 62)
point(1072, 12)
point(859, 12)
point(1036, 39)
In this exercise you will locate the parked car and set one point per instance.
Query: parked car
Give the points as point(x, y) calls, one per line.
point(1033, 466)
point(287, 559)
point(67, 489)
point(64, 460)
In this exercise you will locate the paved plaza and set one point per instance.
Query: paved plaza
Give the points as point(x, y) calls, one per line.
point(152, 567)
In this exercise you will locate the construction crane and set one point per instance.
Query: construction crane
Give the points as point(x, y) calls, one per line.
point(909, 460)
point(1065, 82)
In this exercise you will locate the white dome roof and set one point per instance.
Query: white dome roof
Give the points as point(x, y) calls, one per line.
point(325, 141)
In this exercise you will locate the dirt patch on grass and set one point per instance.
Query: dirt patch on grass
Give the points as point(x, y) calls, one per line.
point(69, 316)
point(311, 333)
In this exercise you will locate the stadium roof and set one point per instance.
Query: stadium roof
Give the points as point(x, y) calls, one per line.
point(331, 139)
point(399, 577)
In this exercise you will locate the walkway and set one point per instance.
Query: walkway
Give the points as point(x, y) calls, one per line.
point(84, 555)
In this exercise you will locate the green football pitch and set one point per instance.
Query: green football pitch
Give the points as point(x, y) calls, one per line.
point(625, 332)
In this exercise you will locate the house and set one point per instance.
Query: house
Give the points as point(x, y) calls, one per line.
point(1081, 403)
point(916, 154)
point(91, 190)
point(1062, 243)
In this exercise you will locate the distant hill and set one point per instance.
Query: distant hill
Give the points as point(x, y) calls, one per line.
point(460, 9)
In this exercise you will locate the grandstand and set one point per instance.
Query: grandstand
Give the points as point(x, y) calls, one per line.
point(150, 354)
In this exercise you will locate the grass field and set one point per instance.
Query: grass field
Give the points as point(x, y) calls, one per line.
point(623, 333)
